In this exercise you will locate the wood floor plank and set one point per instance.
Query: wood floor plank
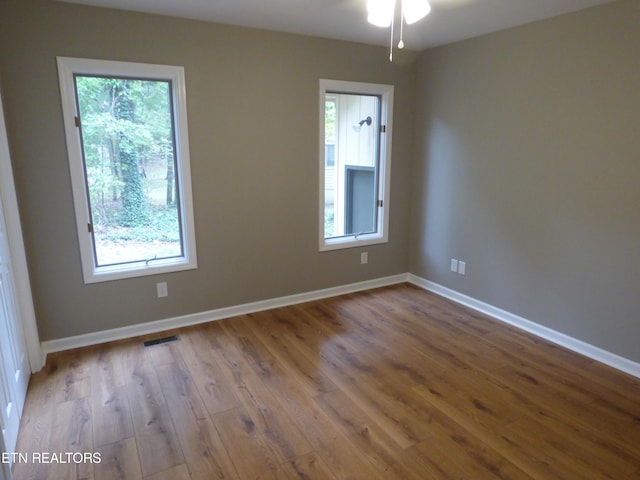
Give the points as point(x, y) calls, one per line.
point(204, 451)
point(215, 390)
point(42, 391)
point(164, 353)
point(70, 432)
point(343, 367)
point(271, 418)
point(148, 406)
point(373, 387)
point(118, 461)
point(179, 472)
point(481, 407)
point(35, 431)
point(486, 403)
point(156, 438)
point(393, 383)
point(370, 439)
point(613, 380)
point(331, 447)
point(159, 451)
point(74, 374)
point(460, 455)
point(303, 370)
point(248, 448)
point(180, 393)
point(111, 415)
point(578, 458)
point(282, 382)
point(306, 467)
point(601, 419)
point(341, 456)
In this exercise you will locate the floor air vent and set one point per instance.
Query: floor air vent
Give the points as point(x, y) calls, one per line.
point(159, 341)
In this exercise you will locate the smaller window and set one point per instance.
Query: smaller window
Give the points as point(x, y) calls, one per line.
point(355, 156)
point(126, 129)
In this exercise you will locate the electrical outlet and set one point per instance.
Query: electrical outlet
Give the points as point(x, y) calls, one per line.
point(454, 265)
point(364, 258)
point(162, 289)
point(462, 268)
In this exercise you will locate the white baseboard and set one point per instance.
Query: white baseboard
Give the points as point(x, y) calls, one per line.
point(104, 336)
point(595, 353)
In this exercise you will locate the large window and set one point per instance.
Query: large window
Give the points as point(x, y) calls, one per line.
point(355, 154)
point(126, 129)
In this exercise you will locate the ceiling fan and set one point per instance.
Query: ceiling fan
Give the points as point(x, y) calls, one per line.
point(381, 13)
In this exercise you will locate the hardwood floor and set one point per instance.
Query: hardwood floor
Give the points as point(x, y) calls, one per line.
point(392, 383)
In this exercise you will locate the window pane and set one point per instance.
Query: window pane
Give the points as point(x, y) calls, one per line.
point(129, 155)
point(351, 164)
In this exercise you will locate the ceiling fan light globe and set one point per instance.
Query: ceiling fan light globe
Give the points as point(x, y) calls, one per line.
point(415, 10)
point(380, 12)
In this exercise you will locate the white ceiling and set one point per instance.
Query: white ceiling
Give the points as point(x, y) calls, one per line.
point(449, 20)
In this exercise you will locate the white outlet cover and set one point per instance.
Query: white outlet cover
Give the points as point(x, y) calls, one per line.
point(454, 265)
point(462, 268)
point(162, 289)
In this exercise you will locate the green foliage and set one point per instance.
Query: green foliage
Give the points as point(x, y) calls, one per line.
point(127, 134)
point(162, 227)
point(330, 120)
point(329, 223)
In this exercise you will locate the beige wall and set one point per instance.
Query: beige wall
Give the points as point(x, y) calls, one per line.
point(253, 123)
point(527, 167)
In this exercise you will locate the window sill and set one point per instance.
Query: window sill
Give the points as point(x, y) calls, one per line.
point(138, 269)
point(351, 241)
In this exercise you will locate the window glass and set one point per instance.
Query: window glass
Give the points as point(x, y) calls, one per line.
point(350, 193)
point(128, 149)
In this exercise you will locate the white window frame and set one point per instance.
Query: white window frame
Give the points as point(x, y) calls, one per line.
point(385, 92)
point(67, 68)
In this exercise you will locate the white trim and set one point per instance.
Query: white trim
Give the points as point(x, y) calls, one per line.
point(590, 351)
point(5, 468)
point(57, 345)
point(18, 256)
point(67, 68)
